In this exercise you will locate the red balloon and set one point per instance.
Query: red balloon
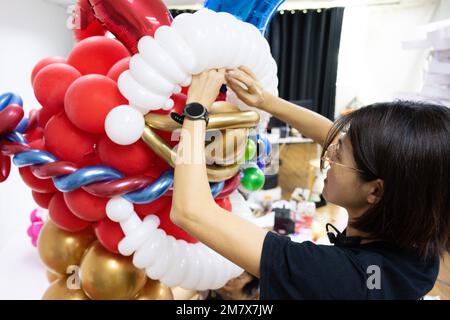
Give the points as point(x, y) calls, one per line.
point(69, 143)
point(43, 63)
point(133, 159)
point(109, 233)
point(96, 55)
point(131, 20)
point(90, 99)
point(5, 167)
point(34, 134)
point(171, 229)
point(85, 24)
point(154, 207)
point(225, 203)
point(36, 184)
point(44, 116)
point(61, 215)
point(51, 84)
point(38, 144)
point(42, 199)
point(86, 206)
point(10, 117)
point(118, 68)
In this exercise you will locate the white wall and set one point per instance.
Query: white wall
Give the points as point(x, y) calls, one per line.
point(373, 66)
point(29, 31)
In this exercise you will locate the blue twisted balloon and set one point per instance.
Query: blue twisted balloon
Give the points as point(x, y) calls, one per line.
point(99, 173)
point(154, 191)
point(9, 98)
point(86, 175)
point(257, 12)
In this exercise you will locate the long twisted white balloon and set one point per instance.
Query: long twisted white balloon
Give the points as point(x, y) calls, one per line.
point(173, 262)
point(194, 43)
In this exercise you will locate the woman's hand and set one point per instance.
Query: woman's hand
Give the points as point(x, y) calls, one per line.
point(205, 87)
point(246, 86)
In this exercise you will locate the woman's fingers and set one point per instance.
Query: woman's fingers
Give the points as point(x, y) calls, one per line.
point(242, 77)
point(237, 88)
point(248, 72)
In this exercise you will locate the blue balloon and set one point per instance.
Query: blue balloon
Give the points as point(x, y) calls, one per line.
point(216, 188)
point(153, 192)
point(264, 145)
point(9, 98)
point(257, 12)
point(85, 176)
point(100, 173)
point(16, 137)
point(241, 9)
point(262, 13)
point(33, 157)
point(22, 126)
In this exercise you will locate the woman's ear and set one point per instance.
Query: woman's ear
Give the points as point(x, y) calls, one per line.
point(376, 188)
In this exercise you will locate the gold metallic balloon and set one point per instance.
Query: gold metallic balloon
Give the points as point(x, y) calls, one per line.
point(231, 120)
point(59, 290)
point(161, 148)
point(60, 249)
point(229, 148)
point(108, 276)
point(51, 276)
point(228, 145)
point(155, 290)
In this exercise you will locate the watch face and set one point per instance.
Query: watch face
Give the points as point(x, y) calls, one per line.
point(195, 110)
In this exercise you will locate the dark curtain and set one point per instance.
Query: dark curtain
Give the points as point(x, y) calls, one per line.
point(305, 45)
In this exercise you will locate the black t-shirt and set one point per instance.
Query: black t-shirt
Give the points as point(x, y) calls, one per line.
point(376, 270)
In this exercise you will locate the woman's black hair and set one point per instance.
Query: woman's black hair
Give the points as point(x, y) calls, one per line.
point(251, 288)
point(407, 145)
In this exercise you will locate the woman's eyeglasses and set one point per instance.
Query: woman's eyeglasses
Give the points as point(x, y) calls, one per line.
point(329, 158)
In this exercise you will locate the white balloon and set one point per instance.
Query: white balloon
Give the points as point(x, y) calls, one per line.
point(195, 270)
point(147, 253)
point(208, 272)
point(160, 266)
point(138, 95)
point(173, 43)
point(148, 77)
point(119, 209)
point(175, 271)
point(159, 59)
point(124, 125)
point(135, 241)
point(131, 224)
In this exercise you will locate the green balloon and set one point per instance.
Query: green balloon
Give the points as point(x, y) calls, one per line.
point(253, 179)
point(250, 150)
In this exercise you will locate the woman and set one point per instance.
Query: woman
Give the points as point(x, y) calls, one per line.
point(388, 166)
point(243, 287)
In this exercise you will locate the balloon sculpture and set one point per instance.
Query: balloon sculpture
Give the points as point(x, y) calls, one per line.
point(98, 155)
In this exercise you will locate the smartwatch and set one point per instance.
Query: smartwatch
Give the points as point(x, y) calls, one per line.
point(192, 111)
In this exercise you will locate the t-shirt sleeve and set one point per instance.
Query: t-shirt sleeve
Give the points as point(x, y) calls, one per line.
point(291, 270)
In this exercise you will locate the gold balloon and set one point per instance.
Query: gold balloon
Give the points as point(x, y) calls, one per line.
point(60, 249)
point(231, 120)
point(155, 290)
point(108, 276)
point(229, 145)
point(59, 290)
point(51, 276)
point(160, 147)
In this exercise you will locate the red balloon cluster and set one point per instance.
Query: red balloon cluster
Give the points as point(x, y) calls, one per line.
point(76, 95)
